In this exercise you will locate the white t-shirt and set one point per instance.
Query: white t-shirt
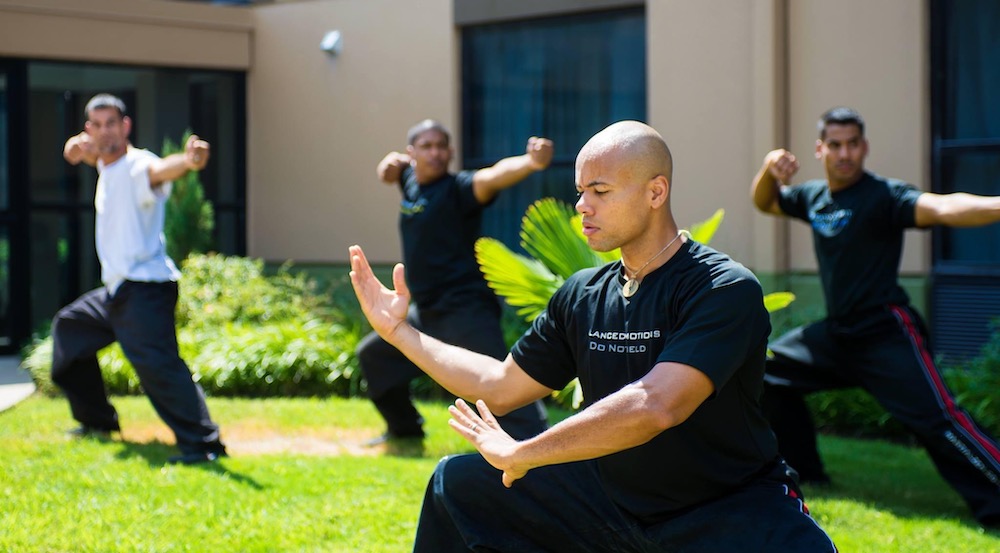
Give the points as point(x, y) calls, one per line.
point(129, 228)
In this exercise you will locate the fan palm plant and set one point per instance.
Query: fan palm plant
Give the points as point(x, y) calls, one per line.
point(552, 233)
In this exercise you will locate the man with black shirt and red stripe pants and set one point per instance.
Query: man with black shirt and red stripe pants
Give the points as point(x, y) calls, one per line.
point(871, 336)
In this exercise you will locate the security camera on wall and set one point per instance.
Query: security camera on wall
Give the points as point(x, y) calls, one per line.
point(331, 43)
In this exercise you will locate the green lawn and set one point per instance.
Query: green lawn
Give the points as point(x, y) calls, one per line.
point(298, 481)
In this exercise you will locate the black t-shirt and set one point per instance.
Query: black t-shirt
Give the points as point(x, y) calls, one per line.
point(701, 309)
point(858, 237)
point(439, 223)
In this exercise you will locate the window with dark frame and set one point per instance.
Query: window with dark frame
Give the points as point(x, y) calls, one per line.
point(965, 157)
point(547, 77)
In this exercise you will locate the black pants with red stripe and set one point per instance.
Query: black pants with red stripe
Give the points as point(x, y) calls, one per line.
point(886, 353)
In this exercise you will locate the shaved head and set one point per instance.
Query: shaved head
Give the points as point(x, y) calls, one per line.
point(635, 148)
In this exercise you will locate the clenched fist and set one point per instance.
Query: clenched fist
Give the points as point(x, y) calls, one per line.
point(540, 152)
point(196, 153)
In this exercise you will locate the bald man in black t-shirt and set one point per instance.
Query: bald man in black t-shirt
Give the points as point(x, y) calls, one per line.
point(440, 219)
point(871, 336)
point(670, 451)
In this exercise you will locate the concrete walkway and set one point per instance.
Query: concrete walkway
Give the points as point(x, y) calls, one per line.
point(15, 382)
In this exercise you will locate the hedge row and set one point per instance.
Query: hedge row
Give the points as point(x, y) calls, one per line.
point(244, 333)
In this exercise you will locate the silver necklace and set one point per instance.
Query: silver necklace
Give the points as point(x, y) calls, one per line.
point(632, 282)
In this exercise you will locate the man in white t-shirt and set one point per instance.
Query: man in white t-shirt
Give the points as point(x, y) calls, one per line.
point(135, 307)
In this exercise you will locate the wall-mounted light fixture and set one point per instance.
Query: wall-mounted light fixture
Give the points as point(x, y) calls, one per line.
point(332, 43)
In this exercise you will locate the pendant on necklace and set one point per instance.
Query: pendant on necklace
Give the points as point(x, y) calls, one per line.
point(630, 288)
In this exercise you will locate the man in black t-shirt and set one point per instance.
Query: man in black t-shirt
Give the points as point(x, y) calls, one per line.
point(440, 219)
point(871, 336)
point(670, 451)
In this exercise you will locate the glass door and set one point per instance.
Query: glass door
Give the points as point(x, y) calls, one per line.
point(13, 276)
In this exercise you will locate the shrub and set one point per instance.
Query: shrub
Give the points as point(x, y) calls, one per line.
point(975, 384)
point(218, 289)
point(854, 412)
point(244, 334)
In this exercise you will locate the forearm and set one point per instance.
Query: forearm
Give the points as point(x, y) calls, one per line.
point(507, 172)
point(969, 210)
point(623, 420)
point(765, 190)
point(169, 168)
point(465, 373)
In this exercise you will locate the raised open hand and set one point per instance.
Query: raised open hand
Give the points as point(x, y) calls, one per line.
point(385, 309)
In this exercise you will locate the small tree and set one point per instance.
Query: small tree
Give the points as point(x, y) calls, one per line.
point(190, 217)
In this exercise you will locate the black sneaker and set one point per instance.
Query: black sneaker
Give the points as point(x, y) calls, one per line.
point(990, 523)
point(196, 457)
point(86, 431)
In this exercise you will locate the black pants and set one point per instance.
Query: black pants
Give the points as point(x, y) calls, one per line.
point(140, 317)
point(567, 508)
point(470, 320)
point(886, 353)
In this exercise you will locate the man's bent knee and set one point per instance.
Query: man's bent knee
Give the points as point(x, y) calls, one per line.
point(455, 475)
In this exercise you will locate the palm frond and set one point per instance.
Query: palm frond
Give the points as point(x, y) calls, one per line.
point(777, 300)
point(523, 282)
point(548, 235)
point(571, 395)
point(704, 231)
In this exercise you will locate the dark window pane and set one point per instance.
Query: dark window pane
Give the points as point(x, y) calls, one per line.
point(228, 232)
point(547, 77)
point(965, 68)
point(5, 321)
point(50, 282)
point(971, 69)
point(4, 144)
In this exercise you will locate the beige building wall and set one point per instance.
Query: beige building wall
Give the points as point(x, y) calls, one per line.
point(874, 57)
point(319, 125)
point(145, 32)
point(728, 81)
point(724, 90)
point(701, 100)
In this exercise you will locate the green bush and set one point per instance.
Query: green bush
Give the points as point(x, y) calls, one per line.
point(218, 289)
point(854, 412)
point(975, 384)
point(244, 333)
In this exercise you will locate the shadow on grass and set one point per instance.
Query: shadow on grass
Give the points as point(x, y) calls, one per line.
point(889, 477)
point(156, 453)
